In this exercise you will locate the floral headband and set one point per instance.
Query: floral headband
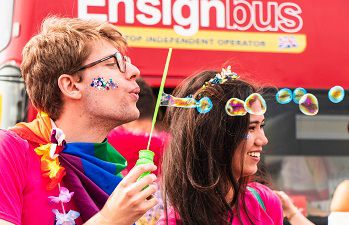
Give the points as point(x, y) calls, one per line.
point(220, 78)
point(233, 107)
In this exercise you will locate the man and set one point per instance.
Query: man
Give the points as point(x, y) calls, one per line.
point(60, 167)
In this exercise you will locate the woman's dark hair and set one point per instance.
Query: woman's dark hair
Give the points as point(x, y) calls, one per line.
point(197, 166)
point(146, 101)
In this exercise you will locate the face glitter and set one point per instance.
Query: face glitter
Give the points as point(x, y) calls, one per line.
point(102, 84)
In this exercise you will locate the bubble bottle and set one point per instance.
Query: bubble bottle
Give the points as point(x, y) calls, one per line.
point(145, 157)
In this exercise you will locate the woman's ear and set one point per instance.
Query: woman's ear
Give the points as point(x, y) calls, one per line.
point(70, 86)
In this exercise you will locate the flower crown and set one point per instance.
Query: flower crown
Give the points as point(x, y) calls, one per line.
point(220, 78)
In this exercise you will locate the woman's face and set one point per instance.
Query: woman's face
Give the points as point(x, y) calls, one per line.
point(250, 149)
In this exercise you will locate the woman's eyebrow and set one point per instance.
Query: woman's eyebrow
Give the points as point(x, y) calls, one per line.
point(256, 122)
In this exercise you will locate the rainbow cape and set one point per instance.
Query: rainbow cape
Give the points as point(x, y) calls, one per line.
point(93, 170)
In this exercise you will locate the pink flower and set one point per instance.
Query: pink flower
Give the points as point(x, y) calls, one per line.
point(64, 196)
point(66, 219)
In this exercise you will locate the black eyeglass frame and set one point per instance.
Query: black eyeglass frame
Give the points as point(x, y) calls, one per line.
point(126, 59)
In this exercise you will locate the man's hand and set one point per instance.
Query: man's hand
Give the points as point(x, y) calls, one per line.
point(129, 201)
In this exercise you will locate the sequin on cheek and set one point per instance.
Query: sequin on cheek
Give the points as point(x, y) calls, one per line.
point(102, 84)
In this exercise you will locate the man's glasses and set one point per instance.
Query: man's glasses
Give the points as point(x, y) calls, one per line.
point(120, 59)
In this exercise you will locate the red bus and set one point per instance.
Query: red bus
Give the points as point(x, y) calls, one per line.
point(281, 43)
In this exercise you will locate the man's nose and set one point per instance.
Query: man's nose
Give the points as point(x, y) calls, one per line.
point(132, 72)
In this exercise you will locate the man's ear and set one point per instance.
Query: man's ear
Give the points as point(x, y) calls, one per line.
point(70, 86)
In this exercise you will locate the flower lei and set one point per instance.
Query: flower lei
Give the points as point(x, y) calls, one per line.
point(51, 168)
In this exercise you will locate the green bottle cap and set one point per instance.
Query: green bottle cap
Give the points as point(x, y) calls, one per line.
point(145, 157)
point(146, 154)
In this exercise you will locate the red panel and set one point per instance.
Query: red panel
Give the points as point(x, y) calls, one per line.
point(323, 64)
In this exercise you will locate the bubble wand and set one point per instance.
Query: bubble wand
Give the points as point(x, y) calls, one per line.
point(147, 156)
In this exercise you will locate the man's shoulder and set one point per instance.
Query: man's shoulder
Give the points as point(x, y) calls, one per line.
point(8, 135)
point(9, 141)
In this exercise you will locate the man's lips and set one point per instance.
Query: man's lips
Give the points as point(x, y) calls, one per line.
point(135, 92)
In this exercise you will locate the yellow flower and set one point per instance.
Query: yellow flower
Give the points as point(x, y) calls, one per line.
point(50, 167)
point(43, 150)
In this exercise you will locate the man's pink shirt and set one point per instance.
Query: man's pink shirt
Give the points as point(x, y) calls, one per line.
point(23, 194)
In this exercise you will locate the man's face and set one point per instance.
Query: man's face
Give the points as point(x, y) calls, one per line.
point(113, 105)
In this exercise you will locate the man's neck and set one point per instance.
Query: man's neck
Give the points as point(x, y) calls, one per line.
point(82, 130)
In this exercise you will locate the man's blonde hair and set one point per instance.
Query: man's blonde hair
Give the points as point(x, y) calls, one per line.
point(61, 47)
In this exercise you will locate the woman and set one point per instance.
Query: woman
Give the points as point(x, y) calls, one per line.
point(340, 205)
point(214, 153)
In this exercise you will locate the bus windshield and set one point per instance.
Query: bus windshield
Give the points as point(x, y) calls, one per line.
point(6, 14)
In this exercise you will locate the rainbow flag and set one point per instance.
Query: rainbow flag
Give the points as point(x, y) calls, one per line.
point(93, 170)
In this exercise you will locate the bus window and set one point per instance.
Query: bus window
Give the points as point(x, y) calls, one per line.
point(6, 14)
point(13, 99)
point(307, 156)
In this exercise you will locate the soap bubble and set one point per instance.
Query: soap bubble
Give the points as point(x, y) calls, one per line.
point(298, 93)
point(235, 107)
point(204, 105)
point(254, 109)
point(336, 94)
point(284, 96)
point(309, 105)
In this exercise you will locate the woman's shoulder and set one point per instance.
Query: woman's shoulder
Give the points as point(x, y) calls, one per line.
point(340, 200)
point(259, 187)
point(267, 195)
point(271, 202)
point(344, 185)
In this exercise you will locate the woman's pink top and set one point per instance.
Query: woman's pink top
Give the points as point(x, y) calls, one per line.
point(271, 216)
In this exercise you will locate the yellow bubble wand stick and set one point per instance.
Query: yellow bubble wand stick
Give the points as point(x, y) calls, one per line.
point(147, 156)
